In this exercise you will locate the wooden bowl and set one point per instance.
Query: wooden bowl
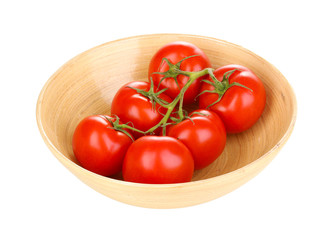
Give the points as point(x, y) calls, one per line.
point(86, 85)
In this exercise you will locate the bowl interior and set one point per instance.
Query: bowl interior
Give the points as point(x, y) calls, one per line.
point(87, 84)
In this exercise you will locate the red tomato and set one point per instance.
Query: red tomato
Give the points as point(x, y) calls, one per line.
point(132, 107)
point(239, 107)
point(175, 52)
point(158, 159)
point(205, 137)
point(98, 147)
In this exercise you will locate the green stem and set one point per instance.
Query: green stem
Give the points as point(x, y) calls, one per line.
point(131, 128)
point(162, 104)
point(121, 127)
point(220, 87)
point(180, 111)
point(192, 77)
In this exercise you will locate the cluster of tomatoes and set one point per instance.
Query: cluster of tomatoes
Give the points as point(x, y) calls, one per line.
point(150, 137)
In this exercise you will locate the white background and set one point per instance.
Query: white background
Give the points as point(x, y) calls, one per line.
point(40, 199)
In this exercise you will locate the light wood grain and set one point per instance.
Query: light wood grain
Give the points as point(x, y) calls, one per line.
point(86, 85)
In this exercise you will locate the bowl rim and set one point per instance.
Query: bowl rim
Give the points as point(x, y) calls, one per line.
point(61, 157)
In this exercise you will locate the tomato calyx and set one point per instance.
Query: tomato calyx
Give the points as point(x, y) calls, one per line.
point(180, 97)
point(152, 95)
point(220, 87)
point(174, 70)
point(187, 116)
point(116, 125)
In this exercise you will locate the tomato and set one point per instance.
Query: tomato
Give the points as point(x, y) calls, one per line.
point(138, 110)
point(98, 147)
point(204, 135)
point(175, 52)
point(158, 159)
point(240, 107)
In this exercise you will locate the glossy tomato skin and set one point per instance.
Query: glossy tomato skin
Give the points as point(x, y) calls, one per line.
point(175, 52)
point(205, 137)
point(134, 108)
point(98, 147)
point(158, 160)
point(239, 108)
